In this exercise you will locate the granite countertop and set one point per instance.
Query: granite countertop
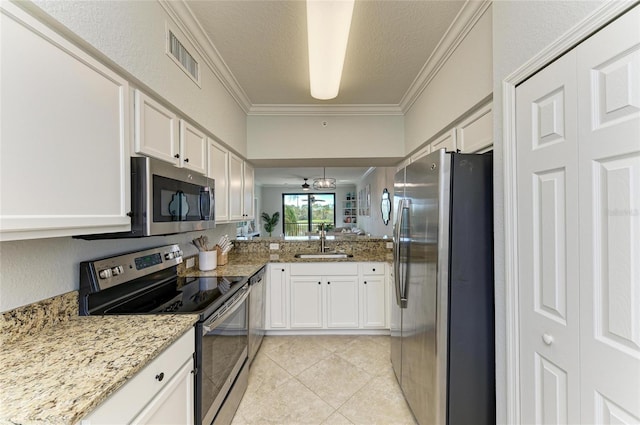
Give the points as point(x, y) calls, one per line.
point(249, 264)
point(60, 373)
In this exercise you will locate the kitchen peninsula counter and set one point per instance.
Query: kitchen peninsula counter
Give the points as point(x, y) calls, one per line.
point(247, 257)
point(57, 373)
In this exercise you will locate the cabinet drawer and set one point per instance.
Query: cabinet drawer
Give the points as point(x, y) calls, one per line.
point(372, 268)
point(134, 395)
point(324, 269)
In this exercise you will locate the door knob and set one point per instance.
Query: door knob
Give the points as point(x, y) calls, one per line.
point(548, 339)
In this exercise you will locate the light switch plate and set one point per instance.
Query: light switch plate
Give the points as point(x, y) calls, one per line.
point(191, 262)
point(389, 245)
point(274, 246)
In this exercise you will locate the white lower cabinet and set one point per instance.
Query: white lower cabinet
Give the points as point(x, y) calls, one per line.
point(306, 302)
point(277, 296)
point(161, 393)
point(316, 296)
point(373, 290)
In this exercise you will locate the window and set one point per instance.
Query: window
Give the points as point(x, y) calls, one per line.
point(299, 218)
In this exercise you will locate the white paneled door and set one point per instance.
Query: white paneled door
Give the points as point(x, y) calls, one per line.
point(578, 171)
point(608, 66)
point(547, 155)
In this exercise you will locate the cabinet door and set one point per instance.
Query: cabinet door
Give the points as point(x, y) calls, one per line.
point(342, 302)
point(247, 188)
point(218, 170)
point(426, 150)
point(174, 404)
point(374, 302)
point(64, 138)
point(193, 148)
point(446, 141)
point(306, 302)
point(236, 195)
point(475, 134)
point(156, 132)
point(277, 297)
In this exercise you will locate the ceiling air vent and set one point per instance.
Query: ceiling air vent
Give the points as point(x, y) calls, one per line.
point(183, 58)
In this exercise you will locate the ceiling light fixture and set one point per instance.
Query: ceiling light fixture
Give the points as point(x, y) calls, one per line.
point(328, 25)
point(324, 183)
point(305, 185)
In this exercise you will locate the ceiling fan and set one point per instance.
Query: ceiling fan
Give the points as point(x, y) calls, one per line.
point(313, 199)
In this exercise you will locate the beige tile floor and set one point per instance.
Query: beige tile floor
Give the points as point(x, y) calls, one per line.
point(325, 379)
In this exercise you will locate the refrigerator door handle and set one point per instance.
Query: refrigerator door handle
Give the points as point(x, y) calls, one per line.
point(399, 277)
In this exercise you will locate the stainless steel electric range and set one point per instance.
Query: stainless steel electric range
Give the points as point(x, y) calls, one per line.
point(146, 282)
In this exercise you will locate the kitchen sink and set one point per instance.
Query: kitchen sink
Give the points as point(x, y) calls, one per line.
point(325, 255)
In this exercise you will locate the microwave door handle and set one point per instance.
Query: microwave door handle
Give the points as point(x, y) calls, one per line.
point(206, 204)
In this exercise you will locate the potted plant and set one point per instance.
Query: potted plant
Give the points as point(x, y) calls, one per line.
point(270, 222)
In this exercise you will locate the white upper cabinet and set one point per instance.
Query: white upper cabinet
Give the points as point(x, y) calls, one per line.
point(236, 194)
point(248, 192)
point(64, 150)
point(162, 135)
point(241, 191)
point(446, 141)
point(475, 133)
point(156, 130)
point(193, 148)
point(218, 170)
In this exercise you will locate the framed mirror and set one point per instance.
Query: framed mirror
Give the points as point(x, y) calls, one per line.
point(385, 206)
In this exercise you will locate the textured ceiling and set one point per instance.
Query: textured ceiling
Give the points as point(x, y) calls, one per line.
point(264, 45)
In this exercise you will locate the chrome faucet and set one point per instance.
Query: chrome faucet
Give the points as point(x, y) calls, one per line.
point(323, 237)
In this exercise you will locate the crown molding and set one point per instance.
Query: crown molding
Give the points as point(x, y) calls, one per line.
point(309, 109)
point(184, 18)
point(464, 21)
point(186, 21)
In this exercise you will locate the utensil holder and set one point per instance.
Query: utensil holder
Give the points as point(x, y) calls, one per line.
point(222, 258)
point(207, 260)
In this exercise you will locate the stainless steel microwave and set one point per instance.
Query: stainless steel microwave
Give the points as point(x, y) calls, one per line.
point(166, 200)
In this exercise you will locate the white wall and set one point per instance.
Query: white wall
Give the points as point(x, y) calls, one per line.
point(132, 34)
point(378, 179)
point(520, 30)
point(302, 137)
point(271, 201)
point(462, 82)
point(33, 270)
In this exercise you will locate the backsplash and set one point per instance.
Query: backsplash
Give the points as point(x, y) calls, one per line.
point(362, 246)
point(31, 318)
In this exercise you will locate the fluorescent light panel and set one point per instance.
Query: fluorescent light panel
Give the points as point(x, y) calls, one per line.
point(328, 25)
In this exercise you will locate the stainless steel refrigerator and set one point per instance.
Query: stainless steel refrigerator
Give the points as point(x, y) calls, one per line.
point(442, 322)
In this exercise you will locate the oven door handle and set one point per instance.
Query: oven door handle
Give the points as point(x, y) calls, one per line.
point(209, 326)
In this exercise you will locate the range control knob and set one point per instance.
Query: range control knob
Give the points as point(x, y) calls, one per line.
point(105, 274)
point(169, 256)
point(115, 271)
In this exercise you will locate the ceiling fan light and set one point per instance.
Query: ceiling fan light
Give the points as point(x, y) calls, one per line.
point(328, 26)
point(325, 182)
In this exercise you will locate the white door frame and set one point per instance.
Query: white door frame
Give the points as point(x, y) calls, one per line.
point(594, 21)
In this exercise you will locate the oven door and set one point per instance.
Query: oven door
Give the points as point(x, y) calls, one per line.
point(223, 352)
